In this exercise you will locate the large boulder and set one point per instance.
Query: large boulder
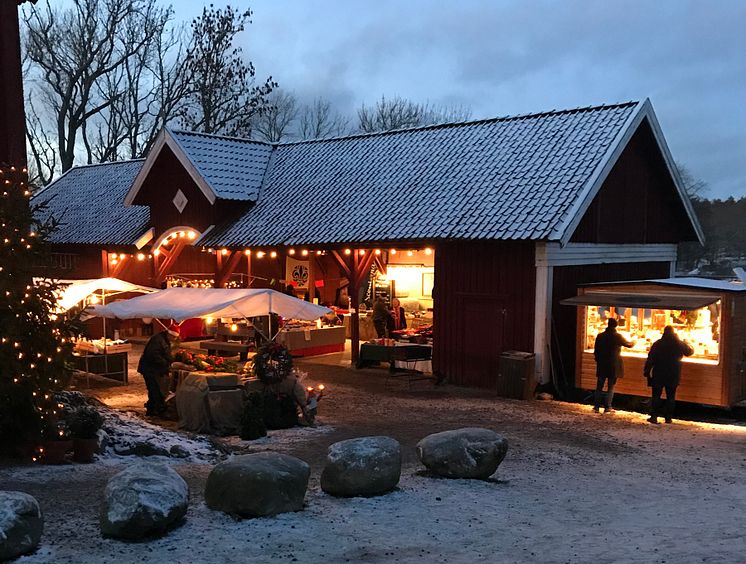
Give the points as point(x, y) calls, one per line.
point(463, 453)
point(144, 500)
point(362, 467)
point(255, 485)
point(21, 524)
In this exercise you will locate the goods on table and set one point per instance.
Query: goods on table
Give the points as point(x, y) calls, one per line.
point(98, 346)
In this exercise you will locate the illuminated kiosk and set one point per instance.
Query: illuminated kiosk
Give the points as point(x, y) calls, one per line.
point(709, 314)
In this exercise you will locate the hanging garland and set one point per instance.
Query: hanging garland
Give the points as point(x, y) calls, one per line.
point(273, 363)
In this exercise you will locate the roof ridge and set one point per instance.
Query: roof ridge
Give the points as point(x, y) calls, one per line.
point(466, 123)
point(217, 136)
point(109, 163)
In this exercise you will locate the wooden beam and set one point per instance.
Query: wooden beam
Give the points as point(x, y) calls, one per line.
point(364, 265)
point(121, 262)
point(169, 262)
point(380, 264)
point(230, 266)
point(342, 264)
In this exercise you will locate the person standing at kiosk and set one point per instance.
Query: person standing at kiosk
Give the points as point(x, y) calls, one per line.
point(663, 370)
point(609, 368)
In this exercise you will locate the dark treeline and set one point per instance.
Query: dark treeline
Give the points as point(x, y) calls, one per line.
point(725, 246)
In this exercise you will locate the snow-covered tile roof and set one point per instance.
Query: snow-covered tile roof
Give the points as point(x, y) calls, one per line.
point(88, 203)
point(233, 168)
point(504, 178)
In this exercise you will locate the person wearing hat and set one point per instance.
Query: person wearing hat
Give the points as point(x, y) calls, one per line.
point(609, 368)
point(154, 364)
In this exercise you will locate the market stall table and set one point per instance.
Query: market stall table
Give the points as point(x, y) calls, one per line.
point(414, 359)
point(103, 359)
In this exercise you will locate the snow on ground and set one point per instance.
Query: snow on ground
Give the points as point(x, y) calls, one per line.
point(575, 487)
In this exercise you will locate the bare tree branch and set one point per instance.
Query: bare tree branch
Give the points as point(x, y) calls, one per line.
point(318, 121)
point(388, 114)
point(274, 123)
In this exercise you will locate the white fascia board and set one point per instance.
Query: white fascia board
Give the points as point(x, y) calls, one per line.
point(578, 254)
point(583, 202)
point(204, 234)
point(145, 170)
point(190, 167)
point(145, 238)
point(165, 138)
point(674, 172)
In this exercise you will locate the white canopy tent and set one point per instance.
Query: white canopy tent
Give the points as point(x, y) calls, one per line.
point(186, 303)
point(73, 292)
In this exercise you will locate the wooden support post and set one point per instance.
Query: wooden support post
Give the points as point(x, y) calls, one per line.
point(248, 271)
point(104, 263)
point(354, 304)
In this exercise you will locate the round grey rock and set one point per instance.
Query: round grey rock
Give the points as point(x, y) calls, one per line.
point(463, 453)
point(144, 500)
point(256, 485)
point(362, 467)
point(21, 524)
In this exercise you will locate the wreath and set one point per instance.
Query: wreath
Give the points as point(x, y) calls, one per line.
point(272, 363)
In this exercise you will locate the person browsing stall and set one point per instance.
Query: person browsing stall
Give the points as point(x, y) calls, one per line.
point(609, 367)
point(154, 364)
point(397, 319)
point(663, 371)
point(381, 317)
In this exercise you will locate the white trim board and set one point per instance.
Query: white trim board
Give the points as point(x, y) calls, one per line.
point(165, 138)
point(576, 254)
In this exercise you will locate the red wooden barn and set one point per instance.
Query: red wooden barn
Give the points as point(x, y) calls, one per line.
point(501, 218)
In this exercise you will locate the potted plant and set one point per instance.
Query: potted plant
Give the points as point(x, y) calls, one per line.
point(84, 424)
point(56, 443)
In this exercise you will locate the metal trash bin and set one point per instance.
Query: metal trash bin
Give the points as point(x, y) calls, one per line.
point(517, 375)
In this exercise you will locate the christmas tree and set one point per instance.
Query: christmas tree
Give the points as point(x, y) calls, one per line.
point(35, 345)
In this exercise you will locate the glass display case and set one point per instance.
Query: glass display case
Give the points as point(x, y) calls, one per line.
point(700, 328)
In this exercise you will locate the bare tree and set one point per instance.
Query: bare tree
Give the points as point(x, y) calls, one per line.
point(318, 121)
point(76, 55)
point(224, 98)
point(43, 161)
point(148, 91)
point(695, 187)
point(388, 114)
point(275, 123)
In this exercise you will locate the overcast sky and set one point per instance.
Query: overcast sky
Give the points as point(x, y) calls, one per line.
point(511, 57)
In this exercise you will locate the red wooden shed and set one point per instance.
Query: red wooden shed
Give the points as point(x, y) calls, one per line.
point(509, 215)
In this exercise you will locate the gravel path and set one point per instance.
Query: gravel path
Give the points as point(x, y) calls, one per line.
point(575, 487)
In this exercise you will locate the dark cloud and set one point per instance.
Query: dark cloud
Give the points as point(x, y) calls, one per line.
point(509, 57)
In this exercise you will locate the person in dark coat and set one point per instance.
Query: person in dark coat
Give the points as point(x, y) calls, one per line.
point(154, 364)
point(609, 368)
point(663, 371)
point(381, 317)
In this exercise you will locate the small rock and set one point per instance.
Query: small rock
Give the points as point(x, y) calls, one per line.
point(178, 451)
point(255, 485)
point(140, 448)
point(21, 524)
point(463, 453)
point(145, 499)
point(362, 467)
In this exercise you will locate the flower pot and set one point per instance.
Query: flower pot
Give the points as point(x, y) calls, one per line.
point(85, 449)
point(55, 451)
